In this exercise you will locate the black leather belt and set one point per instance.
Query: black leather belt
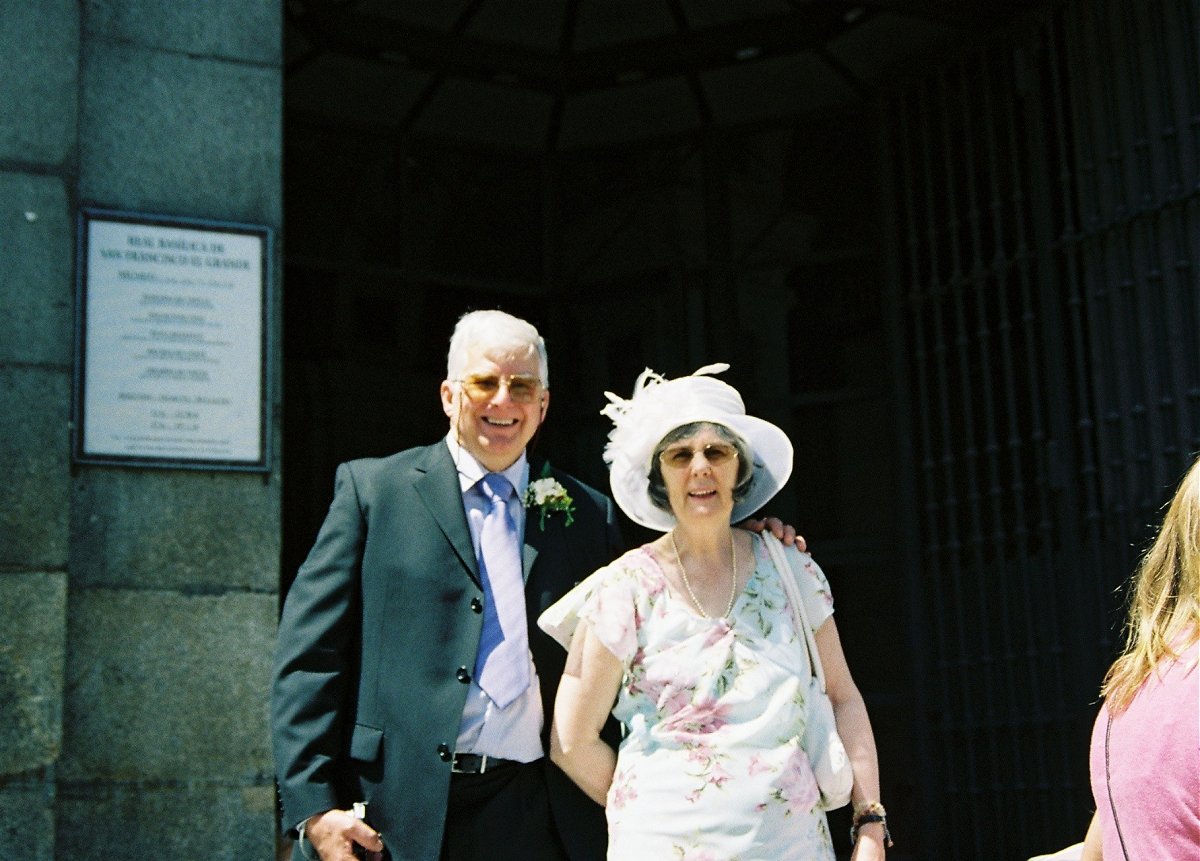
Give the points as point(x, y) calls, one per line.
point(476, 763)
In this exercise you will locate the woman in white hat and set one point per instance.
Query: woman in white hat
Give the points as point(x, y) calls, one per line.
point(692, 637)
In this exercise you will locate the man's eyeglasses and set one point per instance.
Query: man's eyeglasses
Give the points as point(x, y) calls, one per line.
point(681, 456)
point(522, 388)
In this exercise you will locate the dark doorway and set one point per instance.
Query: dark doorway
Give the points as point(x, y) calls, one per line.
point(931, 239)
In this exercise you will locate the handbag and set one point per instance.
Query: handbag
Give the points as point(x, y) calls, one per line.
point(826, 753)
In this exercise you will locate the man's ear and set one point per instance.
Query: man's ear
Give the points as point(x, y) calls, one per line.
point(545, 405)
point(447, 394)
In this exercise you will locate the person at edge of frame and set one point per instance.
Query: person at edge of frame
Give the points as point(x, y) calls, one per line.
point(1144, 756)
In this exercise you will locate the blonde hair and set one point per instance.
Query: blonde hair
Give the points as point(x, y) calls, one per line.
point(1164, 602)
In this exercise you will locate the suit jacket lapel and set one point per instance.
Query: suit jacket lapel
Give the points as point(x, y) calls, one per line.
point(534, 541)
point(439, 489)
point(537, 539)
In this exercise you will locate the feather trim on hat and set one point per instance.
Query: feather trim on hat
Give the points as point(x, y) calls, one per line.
point(643, 414)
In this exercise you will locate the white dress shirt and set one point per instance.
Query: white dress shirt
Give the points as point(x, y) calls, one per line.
point(513, 732)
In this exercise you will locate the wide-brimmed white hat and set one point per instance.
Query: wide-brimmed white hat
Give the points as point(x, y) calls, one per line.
point(656, 408)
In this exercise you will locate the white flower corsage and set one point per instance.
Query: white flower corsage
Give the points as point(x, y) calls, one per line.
point(548, 496)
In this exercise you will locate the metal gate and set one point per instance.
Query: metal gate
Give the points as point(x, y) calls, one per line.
point(1046, 201)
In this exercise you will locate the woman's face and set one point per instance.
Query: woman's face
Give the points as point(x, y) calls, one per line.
point(700, 473)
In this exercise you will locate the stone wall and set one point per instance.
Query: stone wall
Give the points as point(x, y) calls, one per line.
point(137, 606)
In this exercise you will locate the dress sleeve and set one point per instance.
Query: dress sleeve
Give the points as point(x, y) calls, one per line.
point(814, 588)
point(611, 610)
point(609, 601)
point(561, 618)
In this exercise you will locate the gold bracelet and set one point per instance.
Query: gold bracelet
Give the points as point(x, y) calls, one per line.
point(868, 807)
point(867, 813)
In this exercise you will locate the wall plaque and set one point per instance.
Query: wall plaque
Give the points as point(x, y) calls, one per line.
point(171, 342)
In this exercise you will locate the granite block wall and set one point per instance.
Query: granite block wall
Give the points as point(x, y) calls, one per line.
point(137, 606)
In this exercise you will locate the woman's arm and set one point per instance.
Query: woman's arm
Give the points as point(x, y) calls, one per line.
point(1092, 843)
point(586, 694)
point(854, 727)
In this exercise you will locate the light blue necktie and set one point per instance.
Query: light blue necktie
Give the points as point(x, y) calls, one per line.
point(502, 666)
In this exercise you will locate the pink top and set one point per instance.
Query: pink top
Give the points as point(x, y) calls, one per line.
point(1154, 762)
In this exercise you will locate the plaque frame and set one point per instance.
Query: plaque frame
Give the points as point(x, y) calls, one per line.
point(96, 416)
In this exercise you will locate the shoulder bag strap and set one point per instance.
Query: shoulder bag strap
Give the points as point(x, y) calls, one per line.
point(787, 574)
point(1108, 783)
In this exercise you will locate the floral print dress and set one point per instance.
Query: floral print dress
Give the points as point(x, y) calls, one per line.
point(711, 768)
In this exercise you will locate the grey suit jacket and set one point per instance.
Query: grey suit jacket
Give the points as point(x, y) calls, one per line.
point(366, 699)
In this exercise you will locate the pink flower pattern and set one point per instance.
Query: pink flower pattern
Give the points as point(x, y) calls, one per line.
point(696, 853)
point(621, 792)
point(688, 719)
point(759, 765)
point(797, 786)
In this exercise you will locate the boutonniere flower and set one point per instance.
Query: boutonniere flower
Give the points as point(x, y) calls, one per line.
point(547, 495)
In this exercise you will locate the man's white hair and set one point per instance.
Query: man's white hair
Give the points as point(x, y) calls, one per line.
point(494, 332)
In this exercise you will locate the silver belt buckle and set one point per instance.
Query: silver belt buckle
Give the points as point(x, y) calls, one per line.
point(483, 761)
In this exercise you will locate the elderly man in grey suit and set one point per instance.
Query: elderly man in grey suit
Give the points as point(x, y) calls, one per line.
point(413, 691)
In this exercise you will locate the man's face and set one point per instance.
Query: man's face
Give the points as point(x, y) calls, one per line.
point(498, 410)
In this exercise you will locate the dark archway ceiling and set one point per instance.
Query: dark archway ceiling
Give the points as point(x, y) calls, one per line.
point(555, 76)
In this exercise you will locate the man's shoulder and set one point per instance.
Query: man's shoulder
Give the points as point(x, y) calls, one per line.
point(575, 487)
point(593, 537)
point(418, 459)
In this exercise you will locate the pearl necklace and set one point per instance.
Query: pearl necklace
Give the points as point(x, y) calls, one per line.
point(688, 586)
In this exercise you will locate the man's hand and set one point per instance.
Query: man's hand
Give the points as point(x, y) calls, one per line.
point(783, 531)
point(335, 834)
